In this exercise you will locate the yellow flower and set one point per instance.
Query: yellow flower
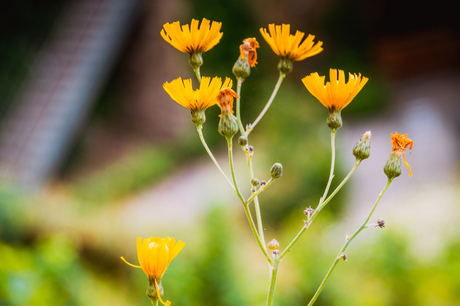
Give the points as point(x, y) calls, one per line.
point(336, 94)
point(199, 99)
point(400, 144)
point(191, 39)
point(154, 256)
point(248, 49)
point(288, 46)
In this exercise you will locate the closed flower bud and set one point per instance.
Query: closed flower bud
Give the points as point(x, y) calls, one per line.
point(362, 149)
point(276, 171)
point(334, 120)
point(228, 126)
point(196, 60)
point(242, 141)
point(273, 245)
point(393, 166)
point(255, 182)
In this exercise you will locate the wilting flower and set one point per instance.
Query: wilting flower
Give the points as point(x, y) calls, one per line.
point(288, 46)
point(400, 144)
point(247, 58)
point(191, 39)
point(248, 50)
point(154, 256)
point(196, 100)
point(337, 93)
point(393, 166)
point(228, 126)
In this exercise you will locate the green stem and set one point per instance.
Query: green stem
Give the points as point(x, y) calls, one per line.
point(313, 216)
point(238, 111)
point(272, 283)
point(347, 243)
point(255, 194)
point(230, 159)
point(246, 207)
point(154, 302)
point(331, 174)
point(197, 72)
point(200, 133)
point(267, 106)
point(256, 235)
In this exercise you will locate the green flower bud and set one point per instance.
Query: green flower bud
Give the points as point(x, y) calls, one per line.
point(334, 120)
point(255, 182)
point(285, 65)
point(242, 141)
point(151, 290)
point(276, 171)
point(228, 126)
point(393, 166)
point(362, 149)
point(273, 245)
point(241, 69)
point(196, 60)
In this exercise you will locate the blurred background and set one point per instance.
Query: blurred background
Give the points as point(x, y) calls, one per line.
point(94, 153)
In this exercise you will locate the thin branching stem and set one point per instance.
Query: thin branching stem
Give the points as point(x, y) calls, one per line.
point(347, 243)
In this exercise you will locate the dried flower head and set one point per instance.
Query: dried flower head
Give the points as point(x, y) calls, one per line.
point(248, 50)
point(191, 39)
point(400, 144)
point(225, 99)
point(155, 254)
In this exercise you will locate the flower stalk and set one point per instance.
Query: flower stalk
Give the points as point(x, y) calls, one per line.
point(340, 256)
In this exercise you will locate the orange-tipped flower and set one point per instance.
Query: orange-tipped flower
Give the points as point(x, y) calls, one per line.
point(155, 254)
point(199, 99)
point(337, 93)
point(400, 144)
point(191, 39)
point(248, 50)
point(289, 46)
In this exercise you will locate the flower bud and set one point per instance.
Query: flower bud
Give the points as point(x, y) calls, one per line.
point(255, 182)
point(334, 120)
point(285, 65)
point(362, 149)
point(198, 117)
point(151, 290)
point(241, 69)
point(196, 60)
point(380, 223)
point(228, 126)
point(276, 171)
point(242, 141)
point(273, 245)
point(393, 166)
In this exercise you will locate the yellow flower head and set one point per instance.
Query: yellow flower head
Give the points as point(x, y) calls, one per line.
point(248, 49)
point(336, 94)
point(400, 144)
point(199, 99)
point(154, 256)
point(191, 39)
point(288, 46)
point(225, 99)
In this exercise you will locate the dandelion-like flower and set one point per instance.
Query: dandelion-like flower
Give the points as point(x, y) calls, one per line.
point(197, 100)
point(336, 94)
point(155, 254)
point(192, 39)
point(289, 47)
